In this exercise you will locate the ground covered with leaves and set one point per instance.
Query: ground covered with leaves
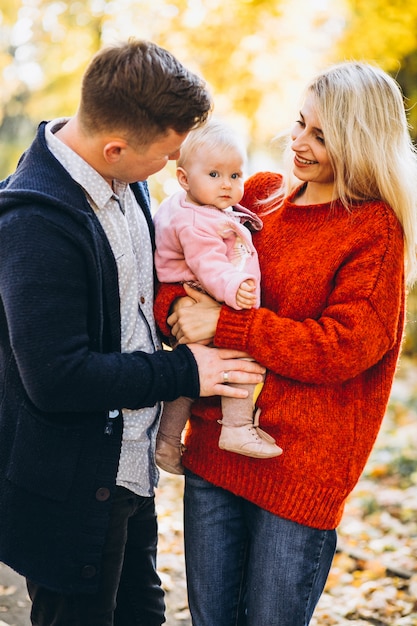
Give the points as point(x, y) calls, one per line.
point(373, 580)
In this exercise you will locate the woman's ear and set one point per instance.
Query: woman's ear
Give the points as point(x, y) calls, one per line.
point(182, 178)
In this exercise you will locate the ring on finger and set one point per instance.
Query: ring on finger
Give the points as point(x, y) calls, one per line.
point(225, 377)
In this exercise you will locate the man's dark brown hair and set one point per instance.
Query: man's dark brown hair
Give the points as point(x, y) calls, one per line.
point(141, 90)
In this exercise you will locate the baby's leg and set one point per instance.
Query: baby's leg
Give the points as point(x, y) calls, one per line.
point(168, 442)
point(239, 432)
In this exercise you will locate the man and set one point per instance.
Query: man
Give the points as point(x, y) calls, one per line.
point(81, 369)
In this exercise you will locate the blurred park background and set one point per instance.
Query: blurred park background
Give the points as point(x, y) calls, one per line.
point(256, 56)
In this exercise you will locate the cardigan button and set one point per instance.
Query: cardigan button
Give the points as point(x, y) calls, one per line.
point(88, 571)
point(102, 494)
point(142, 299)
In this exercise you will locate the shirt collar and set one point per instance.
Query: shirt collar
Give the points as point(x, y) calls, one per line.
point(86, 176)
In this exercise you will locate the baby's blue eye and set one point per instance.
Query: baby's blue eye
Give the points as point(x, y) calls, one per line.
point(213, 174)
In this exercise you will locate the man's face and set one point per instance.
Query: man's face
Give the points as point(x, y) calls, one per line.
point(139, 163)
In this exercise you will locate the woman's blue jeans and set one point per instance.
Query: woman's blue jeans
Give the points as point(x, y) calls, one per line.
point(246, 566)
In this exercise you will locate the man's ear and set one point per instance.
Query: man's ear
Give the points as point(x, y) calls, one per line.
point(113, 150)
point(182, 178)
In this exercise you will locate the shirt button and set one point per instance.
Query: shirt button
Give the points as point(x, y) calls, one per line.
point(102, 494)
point(88, 571)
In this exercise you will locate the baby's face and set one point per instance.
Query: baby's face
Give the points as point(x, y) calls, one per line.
point(215, 177)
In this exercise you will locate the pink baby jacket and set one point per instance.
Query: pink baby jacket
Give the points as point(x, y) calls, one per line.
point(206, 245)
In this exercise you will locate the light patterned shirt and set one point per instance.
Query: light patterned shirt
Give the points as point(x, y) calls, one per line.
point(128, 234)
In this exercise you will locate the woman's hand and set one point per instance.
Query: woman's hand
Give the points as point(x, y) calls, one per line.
point(194, 318)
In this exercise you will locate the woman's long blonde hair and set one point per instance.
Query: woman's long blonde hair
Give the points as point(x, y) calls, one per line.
point(364, 123)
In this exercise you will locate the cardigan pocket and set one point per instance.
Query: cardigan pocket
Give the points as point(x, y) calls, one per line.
point(43, 459)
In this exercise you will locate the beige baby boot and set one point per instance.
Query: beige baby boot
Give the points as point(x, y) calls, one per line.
point(168, 455)
point(240, 434)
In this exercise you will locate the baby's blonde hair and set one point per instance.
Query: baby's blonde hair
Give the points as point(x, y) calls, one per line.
point(214, 134)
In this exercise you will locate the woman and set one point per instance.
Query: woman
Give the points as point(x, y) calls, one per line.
point(338, 240)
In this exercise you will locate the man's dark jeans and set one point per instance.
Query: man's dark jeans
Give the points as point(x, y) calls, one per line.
point(129, 593)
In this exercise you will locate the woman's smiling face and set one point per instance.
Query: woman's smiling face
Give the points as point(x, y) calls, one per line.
point(311, 160)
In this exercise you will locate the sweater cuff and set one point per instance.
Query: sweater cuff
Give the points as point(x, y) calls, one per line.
point(233, 328)
point(166, 295)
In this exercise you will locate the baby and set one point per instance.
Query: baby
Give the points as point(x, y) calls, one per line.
point(203, 239)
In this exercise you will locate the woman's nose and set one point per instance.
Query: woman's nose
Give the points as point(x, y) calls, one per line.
point(297, 137)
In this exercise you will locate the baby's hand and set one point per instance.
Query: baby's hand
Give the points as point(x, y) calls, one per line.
point(246, 296)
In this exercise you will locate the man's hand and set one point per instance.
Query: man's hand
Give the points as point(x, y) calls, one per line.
point(218, 366)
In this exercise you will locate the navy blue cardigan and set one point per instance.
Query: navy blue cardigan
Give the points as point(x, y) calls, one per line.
point(61, 372)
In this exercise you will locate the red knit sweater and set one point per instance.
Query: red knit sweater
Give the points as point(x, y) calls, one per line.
point(329, 331)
